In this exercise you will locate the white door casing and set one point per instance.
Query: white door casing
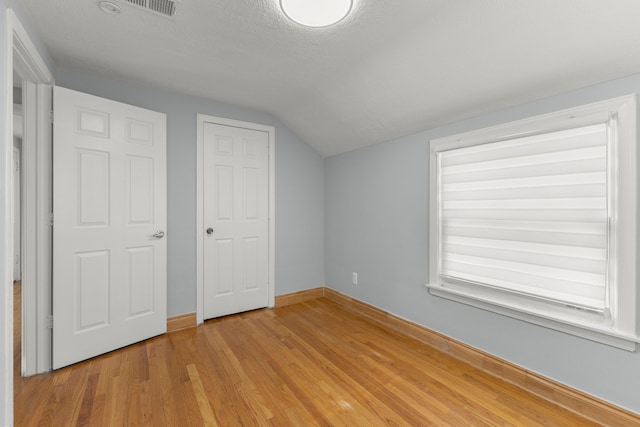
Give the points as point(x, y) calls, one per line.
point(109, 271)
point(23, 57)
point(235, 216)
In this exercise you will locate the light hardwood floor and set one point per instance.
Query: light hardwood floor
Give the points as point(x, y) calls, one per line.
point(307, 364)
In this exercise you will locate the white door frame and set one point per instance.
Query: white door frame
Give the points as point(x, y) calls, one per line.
point(30, 66)
point(200, 227)
point(36, 226)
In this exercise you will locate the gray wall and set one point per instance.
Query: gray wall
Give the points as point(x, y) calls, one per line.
point(376, 214)
point(299, 187)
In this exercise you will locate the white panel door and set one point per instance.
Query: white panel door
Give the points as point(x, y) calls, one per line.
point(109, 250)
point(236, 219)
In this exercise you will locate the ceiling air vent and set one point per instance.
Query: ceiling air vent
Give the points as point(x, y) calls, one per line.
point(162, 7)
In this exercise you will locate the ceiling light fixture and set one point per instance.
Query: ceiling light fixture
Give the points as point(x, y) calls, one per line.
point(109, 7)
point(314, 13)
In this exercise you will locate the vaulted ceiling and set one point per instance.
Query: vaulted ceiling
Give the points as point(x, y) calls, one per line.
point(392, 68)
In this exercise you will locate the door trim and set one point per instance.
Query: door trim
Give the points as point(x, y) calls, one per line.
point(36, 228)
point(30, 65)
point(270, 130)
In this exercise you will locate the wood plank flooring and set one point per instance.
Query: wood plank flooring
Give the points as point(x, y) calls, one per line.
point(308, 364)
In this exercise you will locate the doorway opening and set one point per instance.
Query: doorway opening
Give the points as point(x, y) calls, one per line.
point(25, 70)
point(16, 221)
point(31, 81)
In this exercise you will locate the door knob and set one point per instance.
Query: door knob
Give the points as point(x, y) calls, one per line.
point(209, 230)
point(158, 234)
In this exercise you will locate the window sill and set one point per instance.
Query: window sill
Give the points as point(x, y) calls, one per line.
point(582, 326)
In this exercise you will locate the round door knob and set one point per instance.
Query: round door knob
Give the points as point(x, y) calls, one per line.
point(209, 230)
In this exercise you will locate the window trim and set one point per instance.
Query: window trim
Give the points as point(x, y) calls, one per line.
point(621, 329)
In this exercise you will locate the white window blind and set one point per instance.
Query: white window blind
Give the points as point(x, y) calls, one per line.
point(529, 216)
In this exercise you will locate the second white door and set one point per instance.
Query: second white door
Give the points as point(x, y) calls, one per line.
point(235, 219)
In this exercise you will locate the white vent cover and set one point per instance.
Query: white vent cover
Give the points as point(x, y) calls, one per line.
point(162, 7)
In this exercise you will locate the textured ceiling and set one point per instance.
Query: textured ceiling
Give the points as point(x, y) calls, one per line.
point(394, 67)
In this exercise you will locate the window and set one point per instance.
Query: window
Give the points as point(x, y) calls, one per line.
point(536, 219)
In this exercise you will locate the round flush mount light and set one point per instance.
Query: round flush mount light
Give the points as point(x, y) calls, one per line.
point(314, 13)
point(109, 7)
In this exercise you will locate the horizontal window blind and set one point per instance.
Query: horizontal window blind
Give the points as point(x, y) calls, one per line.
point(528, 215)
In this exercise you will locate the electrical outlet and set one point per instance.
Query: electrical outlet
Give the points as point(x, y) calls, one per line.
point(355, 278)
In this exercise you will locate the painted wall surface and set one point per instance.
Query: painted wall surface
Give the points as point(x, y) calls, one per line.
point(299, 187)
point(376, 224)
point(6, 296)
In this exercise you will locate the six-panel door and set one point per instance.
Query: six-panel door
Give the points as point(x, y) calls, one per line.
point(109, 271)
point(236, 212)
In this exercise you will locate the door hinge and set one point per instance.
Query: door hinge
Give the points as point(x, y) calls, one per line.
point(51, 219)
point(51, 117)
point(50, 322)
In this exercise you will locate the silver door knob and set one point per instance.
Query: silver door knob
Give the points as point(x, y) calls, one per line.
point(209, 230)
point(158, 234)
